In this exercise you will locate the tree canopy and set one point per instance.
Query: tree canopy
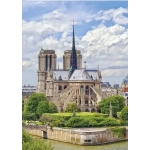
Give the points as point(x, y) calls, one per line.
point(117, 102)
point(34, 100)
point(124, 114)
point(71, 108)
point(22, 104)
point(43, 107)
point(53, 108)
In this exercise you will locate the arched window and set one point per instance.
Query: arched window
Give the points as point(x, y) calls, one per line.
point(91, 91)
point(65, 87)
point(50, 62)
point(81, 89)
point(60, 88)
point(46, 62)
point(87, 90)
point(86, 101)
point(86, 110)
point(93, 110)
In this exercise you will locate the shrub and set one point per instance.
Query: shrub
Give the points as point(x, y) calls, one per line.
point(109, 122)
point(124, 114)
point(118, 114)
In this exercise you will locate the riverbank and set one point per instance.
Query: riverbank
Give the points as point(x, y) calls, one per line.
point(79, 136)
point(67, 146)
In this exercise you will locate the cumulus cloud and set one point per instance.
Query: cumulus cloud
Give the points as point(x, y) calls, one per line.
point(106, 46)
point(116, 15)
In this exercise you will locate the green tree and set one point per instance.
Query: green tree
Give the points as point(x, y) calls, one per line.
point(117, 102)
point(53, 108)
point(33, 102)
point(29, 116)
point(22, 104)
point(71, 108)
point(43, 107)
point(44, 119)
point(124, 114)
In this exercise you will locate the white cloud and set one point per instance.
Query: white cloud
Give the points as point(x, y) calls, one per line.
point(116, 15)
point(106, 46)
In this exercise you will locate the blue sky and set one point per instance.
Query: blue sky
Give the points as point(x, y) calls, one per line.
point(101, 30)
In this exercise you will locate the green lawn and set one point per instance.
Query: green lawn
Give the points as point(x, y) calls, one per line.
point(77, 114)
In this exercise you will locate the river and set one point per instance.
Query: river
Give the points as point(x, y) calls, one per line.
point(66, 146)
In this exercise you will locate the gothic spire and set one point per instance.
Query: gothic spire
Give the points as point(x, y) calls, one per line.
point(73, 60)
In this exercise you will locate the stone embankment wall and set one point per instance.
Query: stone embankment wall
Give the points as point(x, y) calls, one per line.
point(76, 136)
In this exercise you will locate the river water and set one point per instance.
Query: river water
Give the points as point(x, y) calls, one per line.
point(66, 146)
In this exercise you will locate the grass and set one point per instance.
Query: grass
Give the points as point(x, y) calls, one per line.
point(77, 114)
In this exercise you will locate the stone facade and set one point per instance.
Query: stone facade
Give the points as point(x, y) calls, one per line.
point(66, 59)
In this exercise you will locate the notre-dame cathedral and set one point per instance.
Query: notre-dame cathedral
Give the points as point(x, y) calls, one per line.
point(72, 84)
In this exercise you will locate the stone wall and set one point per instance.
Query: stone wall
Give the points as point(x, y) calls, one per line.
point(78, 136)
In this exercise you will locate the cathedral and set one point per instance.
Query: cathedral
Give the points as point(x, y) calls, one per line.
point(72, 84)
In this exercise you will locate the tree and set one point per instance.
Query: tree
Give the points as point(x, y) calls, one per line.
point(117, 102)
point(124, 114)
point(29, 116)
point(71, 108)
point(43, 107)
point(53, 108)
point(22, 104)
point(34, 100)
point(45, 119)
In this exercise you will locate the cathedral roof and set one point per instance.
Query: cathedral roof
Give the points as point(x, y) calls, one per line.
point(62, 73)
point(80, 74)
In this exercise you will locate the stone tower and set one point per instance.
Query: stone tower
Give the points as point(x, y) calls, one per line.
point(49, 84)
point(66, 59)
point(46, 62)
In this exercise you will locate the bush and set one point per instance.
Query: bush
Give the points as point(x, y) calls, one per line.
point(124, 114)
point(29, 143)
point(109, 122)
point(118, 114)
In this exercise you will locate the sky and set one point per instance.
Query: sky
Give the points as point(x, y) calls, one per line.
point(101, 33)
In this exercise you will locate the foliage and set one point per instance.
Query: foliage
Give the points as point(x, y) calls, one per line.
point(71, 108)
point(29, 143)
point(43, 107)
point(67, 116)
point(124, 123)
point(91, 122)
point(33, 101)
point(118, 114)
point(22, 104)
point(121, 131)
point(44, 119)
point(53, 108)
point(29, 116)
point(109, 122)
point(124, 114)
point(117, 102)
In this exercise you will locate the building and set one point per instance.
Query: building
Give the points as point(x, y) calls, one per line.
point(73, 84)
point(27, 90)
point(116, 86)
point(124, 85)
point(106, 84)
